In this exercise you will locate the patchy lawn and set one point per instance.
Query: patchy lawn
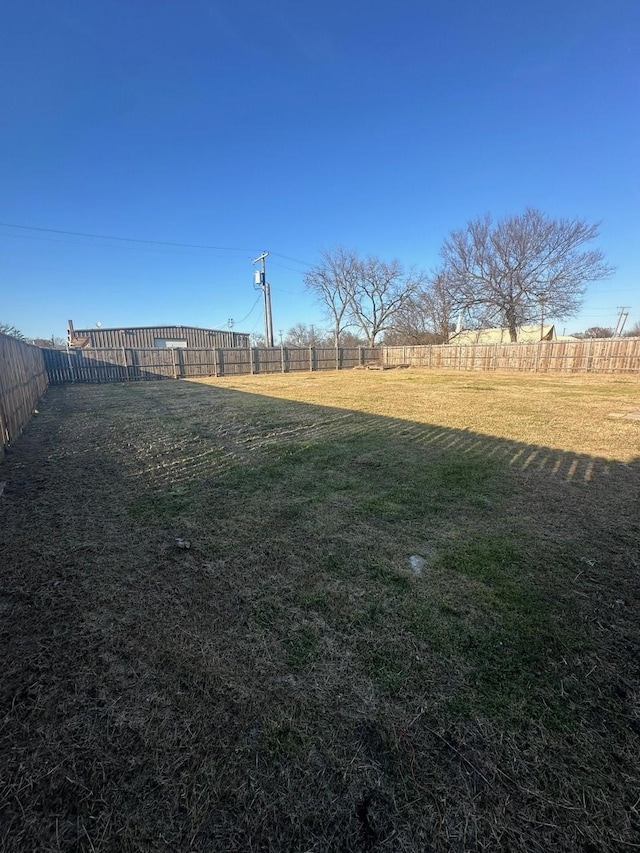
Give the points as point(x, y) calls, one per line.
point(215, 639)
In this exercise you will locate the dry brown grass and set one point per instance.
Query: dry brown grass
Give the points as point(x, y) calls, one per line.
point(285, 683)
point(570, 413)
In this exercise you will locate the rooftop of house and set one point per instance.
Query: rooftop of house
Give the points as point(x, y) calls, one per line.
point(526, 335)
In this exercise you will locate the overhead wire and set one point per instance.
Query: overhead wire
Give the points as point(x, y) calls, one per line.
point(125, 239)
point(283, 267)
point(90, 235)
point(246, 316)
point(289, 258)
point(253, 308)
point(255, 326)
point(107, 246)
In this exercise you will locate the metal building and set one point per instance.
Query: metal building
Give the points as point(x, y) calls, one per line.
point(156, 337)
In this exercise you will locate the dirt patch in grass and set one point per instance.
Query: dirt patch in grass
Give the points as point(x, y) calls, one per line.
point(286, 682)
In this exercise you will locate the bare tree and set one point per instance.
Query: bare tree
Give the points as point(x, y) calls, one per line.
point(54, 342)
point(333, 282)
point(521, 268)
point(439, 306)
point(381, 291)
point(411, 325)
point(352, 339)
point(426, 316)
point(367, 293)
point(595, 332)
point(11, 331)
point(301, 335)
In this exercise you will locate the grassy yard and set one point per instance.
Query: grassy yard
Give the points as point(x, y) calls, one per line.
point(351, 611)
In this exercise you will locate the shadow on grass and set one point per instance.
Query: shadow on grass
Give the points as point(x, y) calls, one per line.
point(265, 421)
point(501, 527)
point(285, 681)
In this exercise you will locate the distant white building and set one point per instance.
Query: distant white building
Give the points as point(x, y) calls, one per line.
point(526, 335)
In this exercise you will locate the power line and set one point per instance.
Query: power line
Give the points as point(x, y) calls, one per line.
point(253, 308)
point(295, 260)
point(125, 239)
point(107, 246)
point(283, 267)
point(255, 325)
point(139, 240)
point(246, 316)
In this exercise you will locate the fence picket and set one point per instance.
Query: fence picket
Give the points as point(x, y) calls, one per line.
point(116, 365)
point(23, 380)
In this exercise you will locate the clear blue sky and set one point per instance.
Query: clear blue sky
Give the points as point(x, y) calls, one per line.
point(292, 127)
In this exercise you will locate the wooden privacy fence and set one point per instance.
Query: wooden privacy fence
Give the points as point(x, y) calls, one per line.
point(123, 364)
point(602, 355)
point(23, 380)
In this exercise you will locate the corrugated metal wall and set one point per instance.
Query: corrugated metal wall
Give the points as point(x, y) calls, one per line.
point(145, 337)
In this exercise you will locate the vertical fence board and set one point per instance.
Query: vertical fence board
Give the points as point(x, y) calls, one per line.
point(23, 380)
point(609, 355)
point(117, 365)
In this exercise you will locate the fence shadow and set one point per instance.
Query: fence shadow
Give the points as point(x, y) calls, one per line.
point(124, 638)
point(225, 440)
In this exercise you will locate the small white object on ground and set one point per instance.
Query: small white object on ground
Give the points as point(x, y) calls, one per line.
point(417, 564)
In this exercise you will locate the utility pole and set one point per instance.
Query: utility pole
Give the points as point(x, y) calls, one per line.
point(542, 298)
point(260, 281)
point(622, 319)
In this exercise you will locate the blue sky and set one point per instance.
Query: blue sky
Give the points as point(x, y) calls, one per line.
point(292, 127)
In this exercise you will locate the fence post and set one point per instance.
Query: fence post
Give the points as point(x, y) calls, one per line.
point(71, 371)
point(125, 364)
point(311, 359)
point(586, 367)
point(282, 357)
point(459, 356)
point(251, 357)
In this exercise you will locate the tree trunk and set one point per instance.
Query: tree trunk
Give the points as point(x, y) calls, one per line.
point(510, 317)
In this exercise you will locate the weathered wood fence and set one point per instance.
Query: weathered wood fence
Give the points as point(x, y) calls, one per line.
point(123, 364)
point(126, 364)
point(23, 380)
point(602, 355)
